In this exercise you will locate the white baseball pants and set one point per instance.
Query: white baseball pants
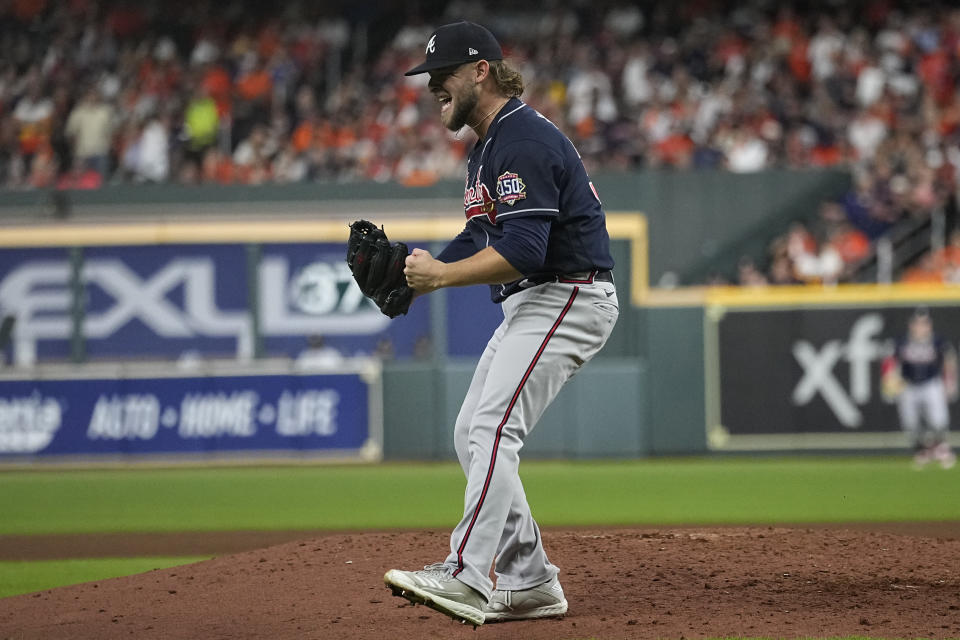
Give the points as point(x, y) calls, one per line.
point(547, 334)
point(927, 400)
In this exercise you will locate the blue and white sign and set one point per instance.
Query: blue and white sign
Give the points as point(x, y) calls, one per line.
point(35, 287)
point(168, 301)
point(308, 290)
point(330, 414)
point(164, 300)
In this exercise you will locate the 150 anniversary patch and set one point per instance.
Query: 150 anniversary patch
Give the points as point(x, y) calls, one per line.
point(510, 188)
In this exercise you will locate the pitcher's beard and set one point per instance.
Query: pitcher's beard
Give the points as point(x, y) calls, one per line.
point(463, 107)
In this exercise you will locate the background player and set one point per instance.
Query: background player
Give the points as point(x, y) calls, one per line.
point(922, 374)
point(536, 233)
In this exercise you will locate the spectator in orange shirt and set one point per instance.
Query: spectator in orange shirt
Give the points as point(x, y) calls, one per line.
point(951, 253)
point(304, 134)
point(676, 150)
point(218, 85)
point(217, 168)
point(925, 271)
point(852, 245)
point(254, 89)
point(33, 115)
point(254, 83)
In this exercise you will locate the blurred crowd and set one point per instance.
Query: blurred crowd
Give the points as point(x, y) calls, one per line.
point(116, 91)
point(112, 90)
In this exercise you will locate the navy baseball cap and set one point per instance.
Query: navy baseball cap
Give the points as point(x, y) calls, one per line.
point(458, 43)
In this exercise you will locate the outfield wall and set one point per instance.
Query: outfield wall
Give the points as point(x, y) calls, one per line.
point(720, 372)
point(685, 371)
point(209, 307)
point(601, 413)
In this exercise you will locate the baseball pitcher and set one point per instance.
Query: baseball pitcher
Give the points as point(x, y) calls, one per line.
point(536, 233)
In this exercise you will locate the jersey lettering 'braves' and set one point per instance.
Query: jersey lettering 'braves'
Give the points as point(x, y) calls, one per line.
point(921, 361)
point(526, 167)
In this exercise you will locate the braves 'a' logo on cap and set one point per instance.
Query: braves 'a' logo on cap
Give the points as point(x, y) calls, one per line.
point(510, 188)
point(431, 44)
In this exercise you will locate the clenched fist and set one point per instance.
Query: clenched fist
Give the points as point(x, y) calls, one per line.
point(424, 273)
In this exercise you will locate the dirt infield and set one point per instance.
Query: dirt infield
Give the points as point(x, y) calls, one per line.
point(621, 583)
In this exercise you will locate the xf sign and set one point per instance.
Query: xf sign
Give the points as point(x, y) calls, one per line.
point(818, 370)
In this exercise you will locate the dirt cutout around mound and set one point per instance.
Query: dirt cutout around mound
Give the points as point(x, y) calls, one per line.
point(626, 583)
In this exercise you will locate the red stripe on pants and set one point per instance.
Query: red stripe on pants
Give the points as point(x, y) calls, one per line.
point(506, 416)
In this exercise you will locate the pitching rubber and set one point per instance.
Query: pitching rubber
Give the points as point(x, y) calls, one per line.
point(404, 588)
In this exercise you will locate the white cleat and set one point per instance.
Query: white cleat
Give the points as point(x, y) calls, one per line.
point(435, 587)
point(943, 454)
point(542, 601)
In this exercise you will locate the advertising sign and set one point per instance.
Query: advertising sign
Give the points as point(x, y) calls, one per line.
point(810, 377)
point(173, 301)
point(307, 290)
point(293, 413)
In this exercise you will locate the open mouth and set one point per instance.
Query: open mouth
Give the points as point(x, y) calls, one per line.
point(445, 102)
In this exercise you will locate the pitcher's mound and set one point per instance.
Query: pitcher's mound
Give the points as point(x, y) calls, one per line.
point(621, 583)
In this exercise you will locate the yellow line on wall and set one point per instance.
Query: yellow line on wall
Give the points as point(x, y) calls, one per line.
point(803, 296)
point(115, 234)
point(818, 295)
point(633, 227)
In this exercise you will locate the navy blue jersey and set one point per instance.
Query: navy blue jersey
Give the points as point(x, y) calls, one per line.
point(526, 168)
point(920, 361)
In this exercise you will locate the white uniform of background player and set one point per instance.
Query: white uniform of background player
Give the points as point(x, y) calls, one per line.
point(921, 373)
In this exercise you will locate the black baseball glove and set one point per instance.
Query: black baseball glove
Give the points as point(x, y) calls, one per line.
point(377, 266)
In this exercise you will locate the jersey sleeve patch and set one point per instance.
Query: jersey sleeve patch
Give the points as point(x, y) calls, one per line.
point(510, 188)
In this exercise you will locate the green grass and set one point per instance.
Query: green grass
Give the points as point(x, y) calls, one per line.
point(26, 577)
point(663, 492)
point(653, 492)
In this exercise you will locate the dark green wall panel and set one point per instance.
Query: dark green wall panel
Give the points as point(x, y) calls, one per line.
point(600, 413)
point(675, 397)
